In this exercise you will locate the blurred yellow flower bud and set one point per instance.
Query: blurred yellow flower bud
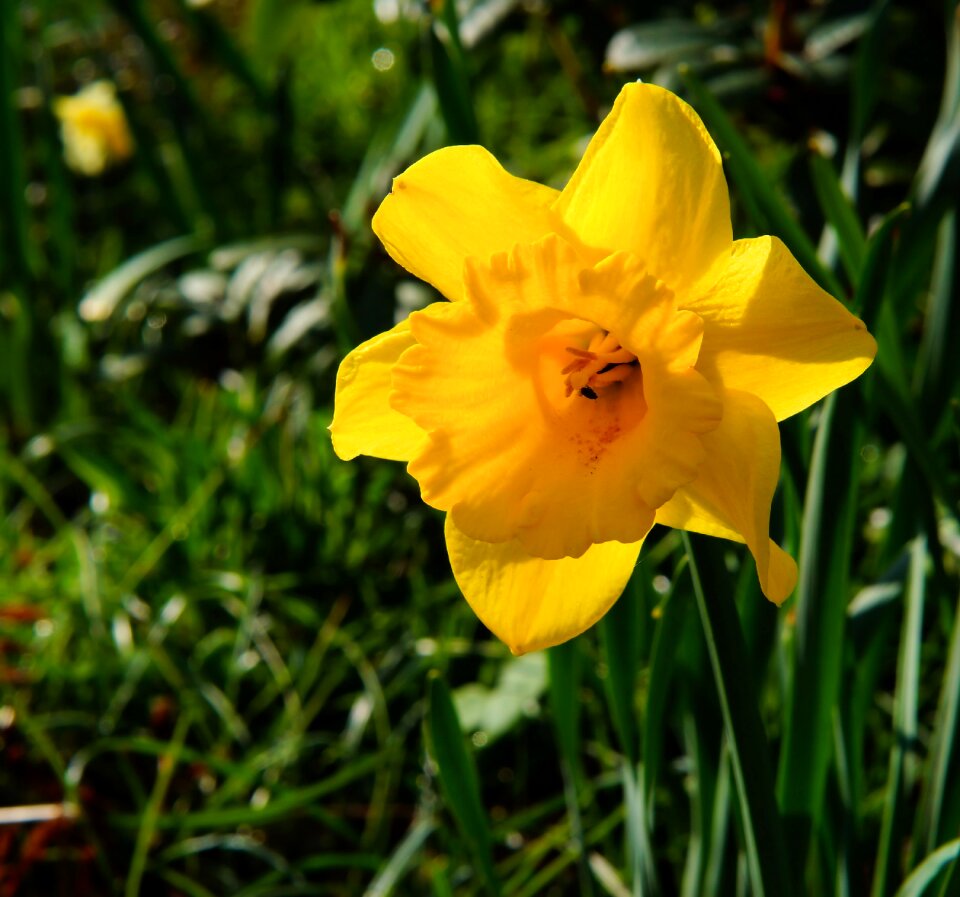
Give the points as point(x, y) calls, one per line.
point(94, 129)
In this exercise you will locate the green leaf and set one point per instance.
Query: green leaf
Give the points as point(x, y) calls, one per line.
point(936, 369)
point(927, 872)
point(747, 741)
point(620, 637)
point(663, 659)
point(450, 76)
point(940, 798)
point(839, 211)
point(458, 778)
point(872, 279)
point(903, 761)
point(821, 599)
point(940, 165)
point(394, 868)
point(166, 767)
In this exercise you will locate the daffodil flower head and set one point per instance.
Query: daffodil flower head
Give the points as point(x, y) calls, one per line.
point(94, 129)
point(609, 358)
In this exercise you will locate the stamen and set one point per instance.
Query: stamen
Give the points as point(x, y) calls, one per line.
point(602, 365)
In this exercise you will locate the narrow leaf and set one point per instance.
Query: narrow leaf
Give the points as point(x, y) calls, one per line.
point(839, 211)
point(458, 778)
point(746, 738)
point(926, 873)
point(902, 757)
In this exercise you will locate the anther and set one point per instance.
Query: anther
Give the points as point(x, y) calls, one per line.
point(598, 367)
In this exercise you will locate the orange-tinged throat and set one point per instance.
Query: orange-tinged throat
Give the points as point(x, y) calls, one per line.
point(600, 367)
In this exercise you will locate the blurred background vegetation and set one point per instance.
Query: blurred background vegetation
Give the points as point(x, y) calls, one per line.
point(233, 664)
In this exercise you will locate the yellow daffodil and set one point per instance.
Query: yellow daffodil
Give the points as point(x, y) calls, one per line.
point(610, 358)
point(93, 128)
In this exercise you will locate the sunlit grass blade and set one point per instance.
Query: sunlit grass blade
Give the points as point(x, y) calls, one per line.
point(942, 155)
point(606, 874)
point(929, 871)
point(400, 860)
point(939, 809)
point(746, 738)
point(903, 760)
point(103, 299)
point(761, 197)
point(640, 858)
point(715, 873)
point(840, 213)
point(871, 624)
point(702, 750)
point(826, 548)
point(458, 779)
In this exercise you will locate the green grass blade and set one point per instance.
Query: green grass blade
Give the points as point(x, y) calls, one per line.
point(872, 279)
point(166, 767)
point(941, 158)
point(839, 211)
point(929, 870)
point(902, 758)
point(940, 798)
point(277, 809)
point(821, 599)
point(754, 185)
point(564, 664)
point(936, 369)
point(663, 661)
point(401, 858)
point(747, 741)
point(450, 77)
point(458, 778)
point(639, 854)
point(620, 637)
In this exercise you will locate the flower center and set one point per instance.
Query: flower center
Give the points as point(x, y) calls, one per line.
point(600, 366)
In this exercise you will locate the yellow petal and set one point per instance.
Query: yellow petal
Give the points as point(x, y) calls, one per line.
point(455, 204)
point(530, 603)
point(770, 330)
point(651, 183)
point(364, 423)
point(731, 496)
